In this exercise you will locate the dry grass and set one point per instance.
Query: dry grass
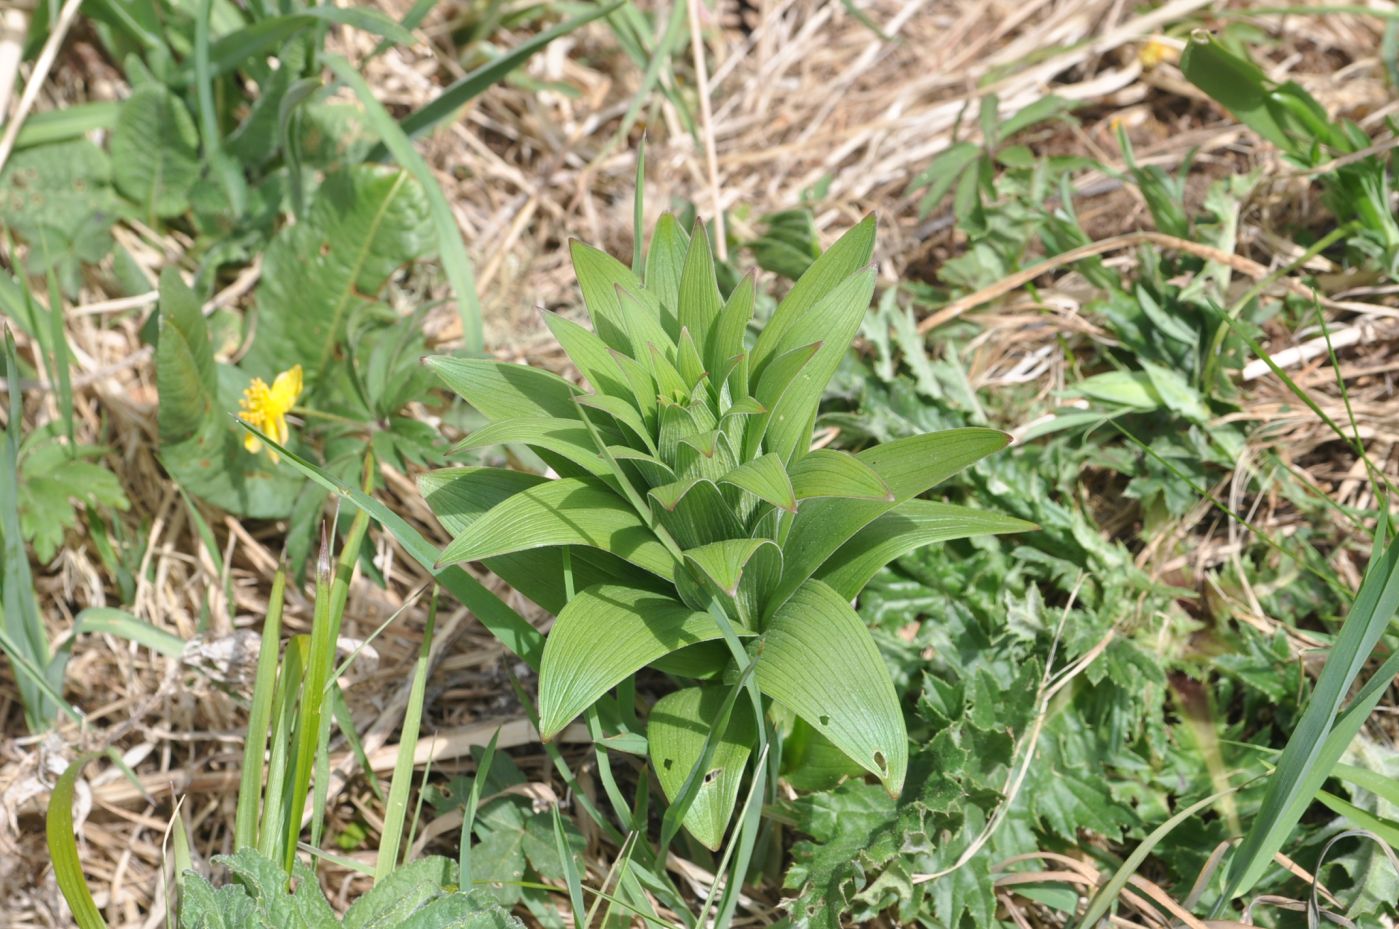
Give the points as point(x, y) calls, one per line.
point(810, 96)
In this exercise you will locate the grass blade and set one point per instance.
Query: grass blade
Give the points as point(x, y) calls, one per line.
point(455, 261)
point(1302, 759)
point(397, 809)
point(466, 88)
point(259, 718)
point(510, 628)
point(63, 848)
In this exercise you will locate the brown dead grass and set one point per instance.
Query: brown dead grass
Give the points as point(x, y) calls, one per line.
point(810, 96)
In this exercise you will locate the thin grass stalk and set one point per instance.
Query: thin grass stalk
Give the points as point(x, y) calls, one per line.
point(259, 719)
point(396, 810)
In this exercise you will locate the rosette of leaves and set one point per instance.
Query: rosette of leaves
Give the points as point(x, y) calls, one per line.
point(690, 526)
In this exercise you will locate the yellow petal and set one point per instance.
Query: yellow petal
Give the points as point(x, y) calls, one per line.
point(252, 443)
point(279, 430)
point(287, 388)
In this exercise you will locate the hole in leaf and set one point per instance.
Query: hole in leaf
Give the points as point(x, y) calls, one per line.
point(712, 776)
point(880, 763)
point(668, 763)
point(825, 720)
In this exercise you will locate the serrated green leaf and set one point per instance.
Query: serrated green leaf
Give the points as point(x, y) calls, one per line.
point(604, 635)
point(829, 473)
point(365, 223)
point(818, 660)
point(766, 478)
point(201, 443)
point(567, 511)
point(185, 374)
point(676, 732)
point(502, 391)
point(389, 903)
point(909, 466)
point(155, 152)
point(908, 527)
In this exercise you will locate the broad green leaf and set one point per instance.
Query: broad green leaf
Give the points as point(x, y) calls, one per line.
point(829, 473)
point(668, 379)
point(620, 410)
point(567, 511)
point(909, 466)
point(665, 263)
point(600, 277)
point(641, 387)
point(564, 437)
point(502, 391)
point(780, 373)
point(765, 478)
point(676, 732)
point(848, 255)
point(364, 224)
point(698, 516)
point(688, 361)
point(908, 527)
point(727, 341)
point(604, 635)
point(155, 153)
point(723, 562)
point(835, 319)
point(460, 496)
point(1240, 86)
point(700, 302)
point(589, 354)
point(818, 660)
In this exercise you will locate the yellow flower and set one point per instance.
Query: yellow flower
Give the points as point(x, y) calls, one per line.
point(266, 408)
point(1156, 52)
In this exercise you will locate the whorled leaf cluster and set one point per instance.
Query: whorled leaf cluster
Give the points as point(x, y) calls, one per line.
point(690, 526)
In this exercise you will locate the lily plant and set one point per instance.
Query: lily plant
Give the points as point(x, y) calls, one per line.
point(687, 524)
